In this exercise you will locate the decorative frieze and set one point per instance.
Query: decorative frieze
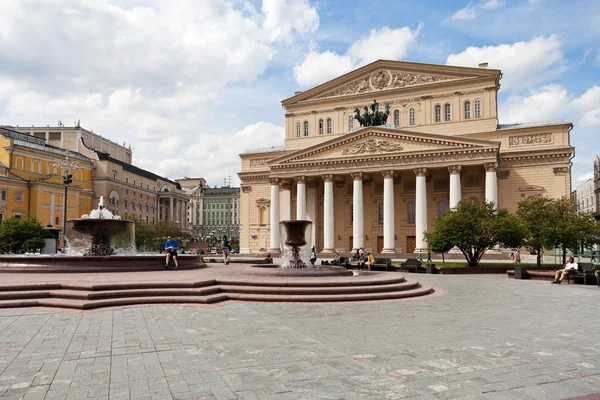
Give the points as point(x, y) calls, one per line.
point(473, 181)
point(246, 188)
point(560, 170)
point(526, 140)
point(371, 146)
point(259, 162)
point(534, 160)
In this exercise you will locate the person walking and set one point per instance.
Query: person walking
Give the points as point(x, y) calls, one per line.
point(313, 256)
point(226, 249)
point(171, 246)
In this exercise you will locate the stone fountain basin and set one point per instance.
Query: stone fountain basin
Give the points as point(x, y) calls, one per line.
point(276, 270)
point(96, 226)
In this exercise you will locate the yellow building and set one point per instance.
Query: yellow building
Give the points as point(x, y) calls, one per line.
point(382, 187)
point(31, 185)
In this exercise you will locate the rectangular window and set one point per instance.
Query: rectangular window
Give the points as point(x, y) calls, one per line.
point(321, 127)
point(3, 195)
point(298, 129)
point(477, 107)
point(134, 181)
point(305, 128)
point(114, 175)
point(126, 179)
point(329, 125)
point(438, 114)
point(57, 221)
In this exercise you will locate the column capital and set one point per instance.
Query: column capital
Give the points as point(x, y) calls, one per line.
point(356, 176)
point(274, 181)
point(285, 185)
point(454, 169)
point(327, 177)
point(388, 173)
point(420, 171)
point(300, 179)
point(490, 167)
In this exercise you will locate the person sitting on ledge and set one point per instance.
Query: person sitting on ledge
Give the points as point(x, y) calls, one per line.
point(566, 269)
point(336, 259)
point(171, 246)
point(370, 261)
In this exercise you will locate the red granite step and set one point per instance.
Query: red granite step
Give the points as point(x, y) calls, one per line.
point(374, 279)
point(421, 291)
point(337, 290)
point(109, 294)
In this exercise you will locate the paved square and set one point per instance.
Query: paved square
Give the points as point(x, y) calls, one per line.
point(485, 337)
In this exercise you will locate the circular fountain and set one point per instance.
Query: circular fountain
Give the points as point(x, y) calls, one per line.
point(98, 242)
point(295, 238)
point(100, 234)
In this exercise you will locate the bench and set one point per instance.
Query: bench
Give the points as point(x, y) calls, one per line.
point(344, 262)
point(383, 263)
point(412, 265)
point(585, 271)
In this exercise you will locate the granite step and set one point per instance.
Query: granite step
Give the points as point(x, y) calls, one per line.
point(110, 294)
point(375, 279)
point(420, 291)
point(336, 290)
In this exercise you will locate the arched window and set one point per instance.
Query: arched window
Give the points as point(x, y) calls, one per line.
point(438, 113)
point(19, 163)
point(329, 126)
point(305, 128)
point(441, 208)
point(298, 129)
point(321, 127)
point(467, 109)
point(410, 211)
point(380, 213)
point(411, 116)
point(396, 118)
point(79, 175)
point(447, 112)
point(126, 203)
point(477, 108)
point(350, 123)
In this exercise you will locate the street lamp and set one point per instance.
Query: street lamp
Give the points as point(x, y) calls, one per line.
point(68, 165)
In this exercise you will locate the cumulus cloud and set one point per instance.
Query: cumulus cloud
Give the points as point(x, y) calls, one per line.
point(466, 13)
point(148, 73)
point(524, 64)
point(553, 102)
point(585, 177)
point(383, 43)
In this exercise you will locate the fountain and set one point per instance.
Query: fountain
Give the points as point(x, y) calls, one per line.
point(100, 234)
point(98, 242)
point(295, 238)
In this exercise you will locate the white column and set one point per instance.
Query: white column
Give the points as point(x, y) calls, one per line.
point(286, 201)
point(491, 183)
point(311, 210)
point(357, 211)
point(171, 209)
point(300, 198)
point(274, 247)
point(455, 191)
point(389, 243)
point(328, 240)
point(421, 210)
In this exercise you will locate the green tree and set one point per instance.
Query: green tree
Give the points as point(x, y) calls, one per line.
point(439, 244)
point(476, 228)
point(573, 230)
point(15, 231)
point(32, 245)
point(538, 216)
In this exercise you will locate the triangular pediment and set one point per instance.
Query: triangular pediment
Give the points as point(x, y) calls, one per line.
point(384, 75)
point(379, 141)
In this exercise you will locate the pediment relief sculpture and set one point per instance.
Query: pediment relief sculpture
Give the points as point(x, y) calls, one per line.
point(372, 146)
point(382, 80)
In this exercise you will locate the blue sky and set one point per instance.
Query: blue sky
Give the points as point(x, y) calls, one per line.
point(192, 84)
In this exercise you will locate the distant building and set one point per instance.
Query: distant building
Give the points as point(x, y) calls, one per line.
point(584, 195)
point(597, 187)
point(220, 212)
point(32, 186)
point(128, 190)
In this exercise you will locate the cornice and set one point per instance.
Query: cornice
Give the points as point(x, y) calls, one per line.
point(399, 160)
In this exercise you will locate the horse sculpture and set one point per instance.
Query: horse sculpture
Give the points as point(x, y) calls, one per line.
point(373, 118)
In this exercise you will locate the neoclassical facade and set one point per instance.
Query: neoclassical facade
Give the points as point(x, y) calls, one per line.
point(382, 187)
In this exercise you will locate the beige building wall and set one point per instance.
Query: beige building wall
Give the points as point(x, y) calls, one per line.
point(522, 160)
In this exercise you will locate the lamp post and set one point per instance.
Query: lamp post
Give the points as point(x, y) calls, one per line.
point(68, 165)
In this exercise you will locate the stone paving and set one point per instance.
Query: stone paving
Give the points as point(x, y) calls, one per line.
point(484, 337)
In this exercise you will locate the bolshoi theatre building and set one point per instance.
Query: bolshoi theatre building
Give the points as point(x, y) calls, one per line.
point(381, 187)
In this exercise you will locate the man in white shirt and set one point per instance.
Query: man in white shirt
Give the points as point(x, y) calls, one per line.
point(568, 267)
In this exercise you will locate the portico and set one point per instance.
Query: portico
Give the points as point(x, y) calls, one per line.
point(381, 187)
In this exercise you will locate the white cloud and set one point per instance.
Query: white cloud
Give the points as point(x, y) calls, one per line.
point(491, 4)
point(585, 177)
point(145, 72)
point(553, 102)
point(467, 13)
point(523, 64)
point(383, 43)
